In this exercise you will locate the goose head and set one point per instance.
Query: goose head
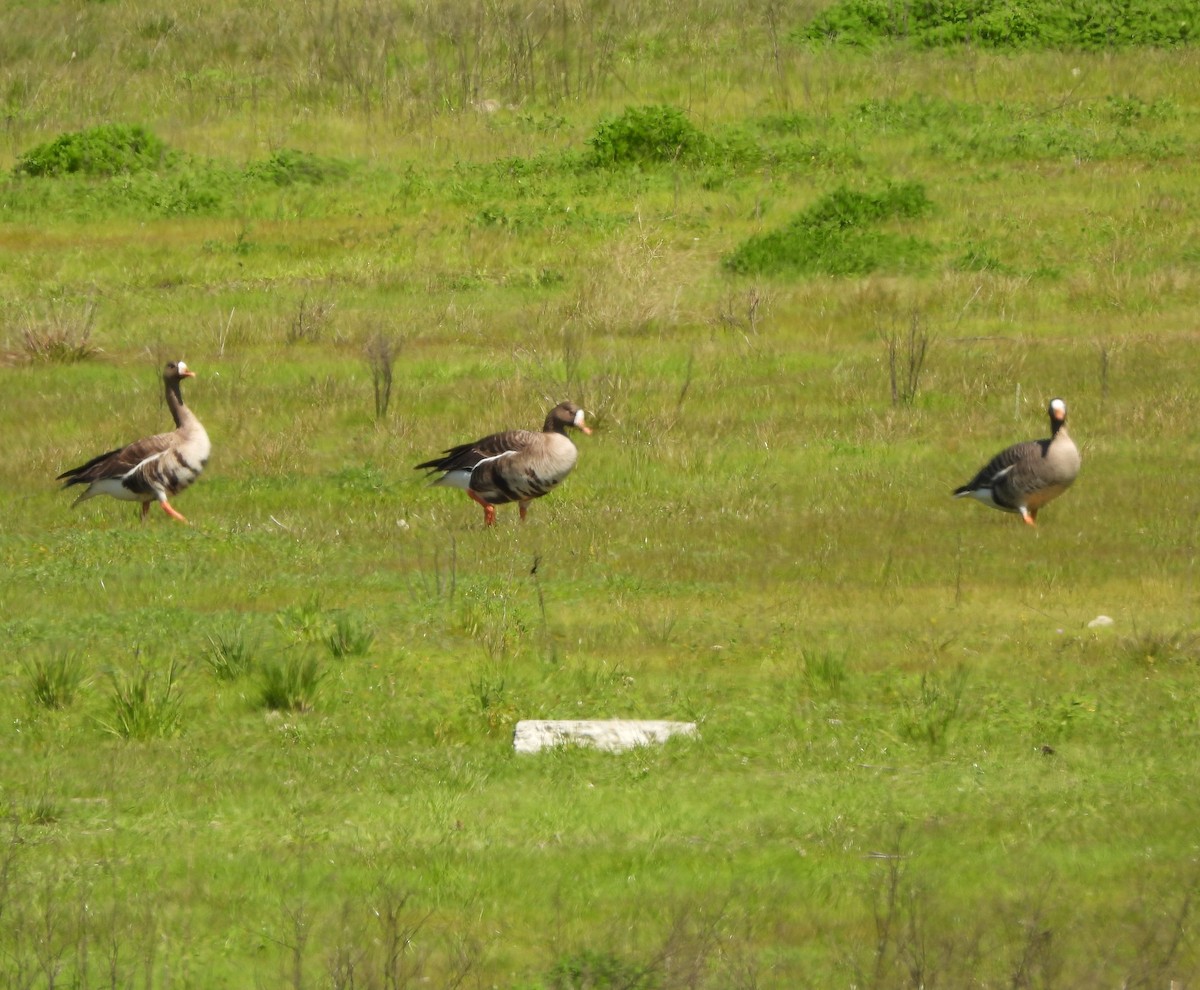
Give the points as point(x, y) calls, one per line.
point(563, 415)
point(1058, 414)
point(177, 371)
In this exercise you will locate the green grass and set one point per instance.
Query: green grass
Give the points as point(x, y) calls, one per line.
point(278, 750)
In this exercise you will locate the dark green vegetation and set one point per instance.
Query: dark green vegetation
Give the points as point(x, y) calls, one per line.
point(803, 291)
point(1071, 25)
point(835, 236)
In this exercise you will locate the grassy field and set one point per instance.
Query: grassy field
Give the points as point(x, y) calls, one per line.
point(274, 747)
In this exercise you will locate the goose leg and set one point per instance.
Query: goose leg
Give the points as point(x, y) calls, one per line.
point(524, 509)
point(170, 511)
point(1030, 516)
point(145, 510)
point(489, 511)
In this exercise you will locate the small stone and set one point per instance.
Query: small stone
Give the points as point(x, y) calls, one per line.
point(1100, 620)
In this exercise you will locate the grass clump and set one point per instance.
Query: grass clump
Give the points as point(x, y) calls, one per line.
point(932, 710)
point(305, 622)
point(110, 149)
point(62, 337)
point(290, 685)
point(229, 655)
point(1006, 24)
point(824, 670)
point(836, 236)
point(53, 680)
point(350, 637)
point(1159, 649)
point(145, 705)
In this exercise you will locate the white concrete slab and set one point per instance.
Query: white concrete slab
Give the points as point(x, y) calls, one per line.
point(611, 735)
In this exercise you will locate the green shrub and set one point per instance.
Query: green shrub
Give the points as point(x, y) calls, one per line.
point(844, 208)
point(591, 970)
point(287, 167)
point(650, 135)
point(110, 149)
point(188, 192)
point(1006, 24)
point(835, 236)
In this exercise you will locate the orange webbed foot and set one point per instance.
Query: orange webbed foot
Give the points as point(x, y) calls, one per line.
point(170, 511)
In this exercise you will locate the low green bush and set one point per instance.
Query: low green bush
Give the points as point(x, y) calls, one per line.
point(287, 167)
point(109, 149)
point(836, 236)
point(650, 135)
point(1006, 24)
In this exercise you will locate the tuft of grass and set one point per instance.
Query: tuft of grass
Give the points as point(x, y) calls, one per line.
point(53, 680)
point(351, 637)
point(906, 359)
point(144, 704)
point(310, 321)
point(306, 622)
point(290, 684)
point(63, 336)
point(492, 694)
point(381, 353)
point(43, 811)
point(230, 655)
point(824, 669)
point(1160, 649)
point(930, 712)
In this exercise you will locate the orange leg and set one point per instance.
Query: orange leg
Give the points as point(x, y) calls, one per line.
point(524, 509)
point(489, 511)
point(1030, 516)
point(170, 512)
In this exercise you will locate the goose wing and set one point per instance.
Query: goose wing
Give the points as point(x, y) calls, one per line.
point(118, 463)
point(1010, 473)
point(468, 456)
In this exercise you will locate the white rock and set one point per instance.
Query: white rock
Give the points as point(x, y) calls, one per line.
point(611, 735)
point(1100, 620)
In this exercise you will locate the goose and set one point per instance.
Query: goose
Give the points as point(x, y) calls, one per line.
point(513, 466)
point(153, 468)
point(1024, 477)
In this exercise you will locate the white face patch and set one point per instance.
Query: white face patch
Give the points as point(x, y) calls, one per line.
point(182, 368)
point(579, 418)
point(1059, 408)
